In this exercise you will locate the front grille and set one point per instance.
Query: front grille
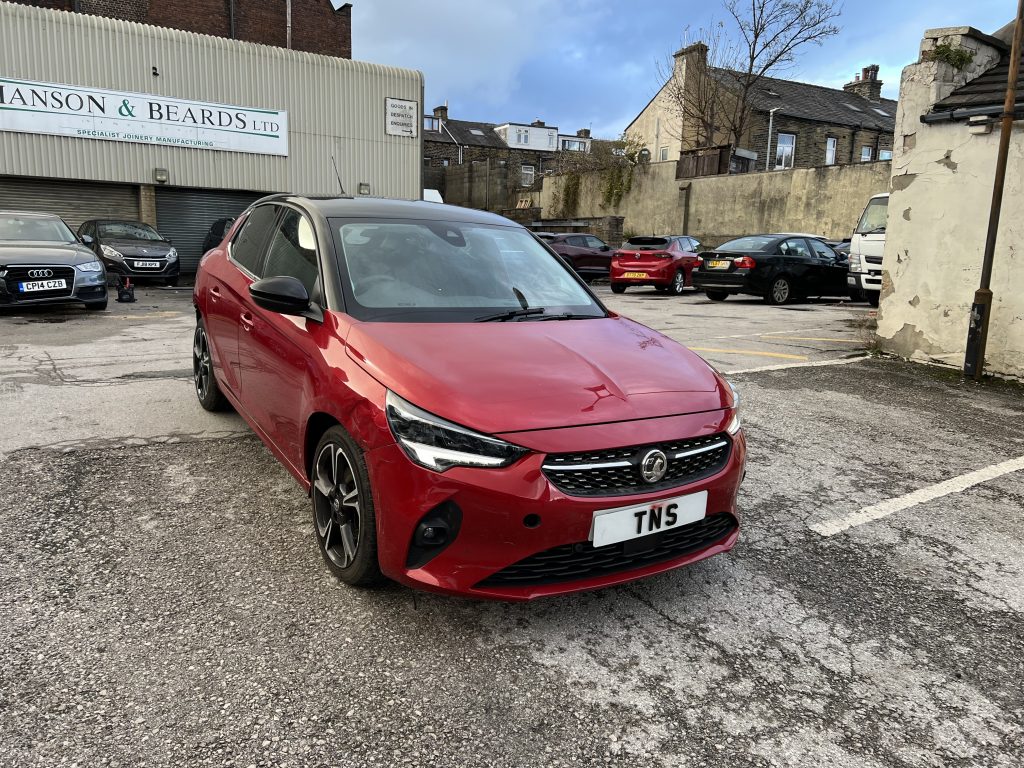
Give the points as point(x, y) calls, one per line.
point(616, 472)
point(571, 562)
point(17, 275)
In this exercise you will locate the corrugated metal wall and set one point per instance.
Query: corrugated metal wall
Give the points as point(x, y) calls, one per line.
point(75, 201)
point(185, 216)
point(335, 106)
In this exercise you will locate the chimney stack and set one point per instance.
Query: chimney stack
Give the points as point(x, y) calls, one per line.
point(441, 112)
point(866, 84)
point(537, 124)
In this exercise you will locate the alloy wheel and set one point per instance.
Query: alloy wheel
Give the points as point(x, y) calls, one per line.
point(336, 504)
point(202, 367)
point(678, 283)
point(780, 291)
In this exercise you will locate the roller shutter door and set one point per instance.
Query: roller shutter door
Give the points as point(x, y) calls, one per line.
point(74, 201)
point(185, 216)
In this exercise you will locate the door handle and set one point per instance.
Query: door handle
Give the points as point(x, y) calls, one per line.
point(214, 293)
point(247, 322)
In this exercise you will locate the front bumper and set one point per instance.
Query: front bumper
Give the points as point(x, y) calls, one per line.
point(865, 281)
point(86, 288)
point(513, 513)
point(163, 272)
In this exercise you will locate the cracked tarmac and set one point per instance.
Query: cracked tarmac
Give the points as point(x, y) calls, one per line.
point(162, 600)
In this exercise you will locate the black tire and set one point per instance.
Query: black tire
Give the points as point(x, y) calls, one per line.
point(779, 292)
point(678, 283)
point(873, 297)
point(344, 520)
point(207, 389)
point(618, 288)
point(857, 295)
point(716, 295)
point(96, 306)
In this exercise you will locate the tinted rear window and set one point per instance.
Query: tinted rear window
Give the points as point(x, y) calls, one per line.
point(753, 243)
point(646, 243)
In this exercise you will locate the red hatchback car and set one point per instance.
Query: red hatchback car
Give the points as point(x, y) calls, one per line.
point(465, 415)
point(667, 263)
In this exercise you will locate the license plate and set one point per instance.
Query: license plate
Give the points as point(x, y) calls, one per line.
point(635, 274)
point(611, 526)
point(147, 264)
point(42, 285)
point(718, 264)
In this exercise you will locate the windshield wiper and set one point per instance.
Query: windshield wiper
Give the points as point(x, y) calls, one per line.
point(568, 316)
point(510, 315)
point(875, 231)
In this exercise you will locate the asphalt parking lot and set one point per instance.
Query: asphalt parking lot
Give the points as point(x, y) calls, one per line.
point(162, 601)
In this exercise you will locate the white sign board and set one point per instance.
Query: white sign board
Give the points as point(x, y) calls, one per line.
point(139, 118)
point(401, 118)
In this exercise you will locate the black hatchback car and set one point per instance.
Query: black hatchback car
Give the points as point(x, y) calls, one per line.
point(779, 268)
point(42, 262)
point(132, 249)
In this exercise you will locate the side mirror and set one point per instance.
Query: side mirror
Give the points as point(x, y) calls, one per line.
point(282, 294)
point(88, 239)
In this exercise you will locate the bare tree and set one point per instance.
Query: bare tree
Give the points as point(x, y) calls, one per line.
point(761, 39)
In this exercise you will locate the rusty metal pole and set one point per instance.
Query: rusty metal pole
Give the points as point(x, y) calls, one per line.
point(977, 333)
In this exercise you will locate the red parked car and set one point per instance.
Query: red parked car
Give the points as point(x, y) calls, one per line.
point(664, 262)
point(464, 414)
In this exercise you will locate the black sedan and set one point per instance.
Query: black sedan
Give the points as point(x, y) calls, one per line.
point(132, 249)
point(779, 268)
point(42, 262)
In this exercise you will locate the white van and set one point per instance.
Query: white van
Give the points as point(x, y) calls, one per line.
point(866, 246)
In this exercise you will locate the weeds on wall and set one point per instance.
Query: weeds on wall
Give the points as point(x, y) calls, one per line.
point(956, 56)
point(617, 181)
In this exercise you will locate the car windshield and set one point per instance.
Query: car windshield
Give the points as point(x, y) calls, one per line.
point(752, 243)
point(434, 271)
point(127, 230)
point(872, 222)
point(41, 229)
point(646, 243)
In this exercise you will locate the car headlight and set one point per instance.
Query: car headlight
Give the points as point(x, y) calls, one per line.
point(90, 266)
point(172, 255)
point(735, 423)
point(854, 262)
point(437, 444)
point(111, 253)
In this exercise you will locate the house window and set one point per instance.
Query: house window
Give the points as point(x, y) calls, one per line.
point(865, 154)
point(830, 150)
point(663, 155)
point(785, 149)
point(526, 174)
point(431, 124)
point(551, 140)
point(522, 135)
point(885, 154)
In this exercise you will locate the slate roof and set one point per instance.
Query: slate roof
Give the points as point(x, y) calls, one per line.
point(986, 92)
point(463, 131)
point(816, 102)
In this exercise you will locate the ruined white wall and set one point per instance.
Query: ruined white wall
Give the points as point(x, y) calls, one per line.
point(942, 177)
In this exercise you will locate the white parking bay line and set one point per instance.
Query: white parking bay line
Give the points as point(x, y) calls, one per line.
point(810, 364)
point(920, 496)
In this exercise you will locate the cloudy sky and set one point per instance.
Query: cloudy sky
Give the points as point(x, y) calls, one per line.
point(580, 63)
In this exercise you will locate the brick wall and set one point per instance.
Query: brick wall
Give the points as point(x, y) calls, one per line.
point(811, 140)
point(316, 27)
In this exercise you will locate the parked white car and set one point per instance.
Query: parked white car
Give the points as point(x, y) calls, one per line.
point(866, 246)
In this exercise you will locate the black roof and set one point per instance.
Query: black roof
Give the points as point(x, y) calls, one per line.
point(806, 101)
point(382, 208)
point(468, 134)
point(986, 93)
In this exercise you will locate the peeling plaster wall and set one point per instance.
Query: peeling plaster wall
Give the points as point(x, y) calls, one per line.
point(942, 179)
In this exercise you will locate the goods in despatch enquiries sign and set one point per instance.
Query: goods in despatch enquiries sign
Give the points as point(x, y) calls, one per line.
point(139, 118)
point(401, 117)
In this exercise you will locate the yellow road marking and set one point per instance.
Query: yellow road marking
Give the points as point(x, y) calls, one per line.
point(810, 338)
point(750, 352)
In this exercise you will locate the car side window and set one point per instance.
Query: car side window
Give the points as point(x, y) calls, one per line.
point(248, 246)
point(292, 251)
point(822, 251)
point(593, 242)
point(795, 247)
point(576, 241)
